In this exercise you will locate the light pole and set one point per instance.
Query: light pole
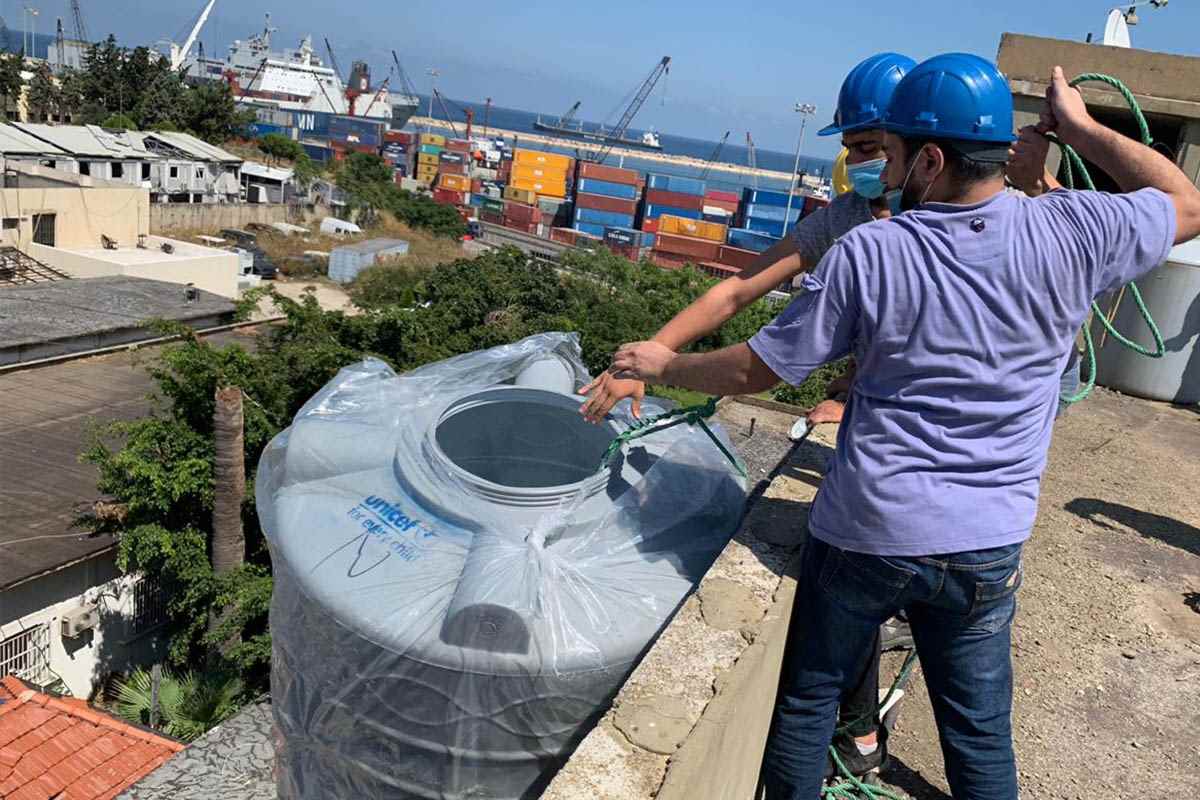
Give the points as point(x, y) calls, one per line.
point(433, 74)
point(805, 110)
point(30, 16)
point(1131, 17)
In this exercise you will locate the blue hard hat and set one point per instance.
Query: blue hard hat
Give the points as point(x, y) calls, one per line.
point(955, 96)
point(866, 91)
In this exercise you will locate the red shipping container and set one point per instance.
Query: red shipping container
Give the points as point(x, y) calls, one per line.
point(399, 137)
point(447, 197)
point(601, 203)
point(659, 197)
point(600, 172)
point(700, 249)
point(721, 271)
point(668, 260)
point(723, 196)
point(523, 227)
point(650, 225)
point(724, 205)
point(811, 204)
point(446, 168)
point(494, 217)
point(458, 146)
point(519, 212)
point(737, 257)
point(564, 235)
point(628, 251)
point(476, 186)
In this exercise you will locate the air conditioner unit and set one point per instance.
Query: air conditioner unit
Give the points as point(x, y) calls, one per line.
point(78, 620)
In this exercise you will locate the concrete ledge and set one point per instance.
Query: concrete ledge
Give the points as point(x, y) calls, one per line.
point(692, 720)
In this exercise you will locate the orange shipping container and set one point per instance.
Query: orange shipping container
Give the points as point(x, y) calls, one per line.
point(530, 172)
point(457, 183)
point(520, 195)
point(536, 158)
point(699, 229)
point(555, 190)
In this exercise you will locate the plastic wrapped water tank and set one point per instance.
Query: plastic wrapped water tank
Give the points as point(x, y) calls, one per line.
point(459, 590)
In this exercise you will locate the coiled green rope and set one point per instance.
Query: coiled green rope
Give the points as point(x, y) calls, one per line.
point(690, 415)
point(1072, 165)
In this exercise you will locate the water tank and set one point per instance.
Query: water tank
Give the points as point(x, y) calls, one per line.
point(1172, 294)
point(459, 588)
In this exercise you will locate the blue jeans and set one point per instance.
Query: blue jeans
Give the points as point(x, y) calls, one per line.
point(960, 607)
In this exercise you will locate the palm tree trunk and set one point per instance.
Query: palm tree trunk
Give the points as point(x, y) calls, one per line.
point(229, 482)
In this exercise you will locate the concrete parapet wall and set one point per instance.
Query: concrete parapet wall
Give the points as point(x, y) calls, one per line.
point(165, 217)
point(692, 720)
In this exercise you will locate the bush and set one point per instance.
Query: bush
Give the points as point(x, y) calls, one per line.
point(814, 388)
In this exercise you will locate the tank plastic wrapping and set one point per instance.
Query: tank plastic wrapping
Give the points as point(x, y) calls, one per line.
point(459, 589)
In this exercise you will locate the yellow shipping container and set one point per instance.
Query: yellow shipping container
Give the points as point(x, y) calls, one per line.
point(433, 138)
point(427, 172)
point(698, 229)
point(536, 158)
point(555, 190)
point(535, 173)
point(427, 158)
point(519, 195)
point(457, 183)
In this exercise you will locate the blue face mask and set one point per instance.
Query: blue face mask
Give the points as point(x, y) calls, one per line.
point(867, 178)
point(895, 197)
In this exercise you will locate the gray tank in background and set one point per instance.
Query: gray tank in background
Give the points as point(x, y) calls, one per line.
point(459, 590)
point(1172, 295)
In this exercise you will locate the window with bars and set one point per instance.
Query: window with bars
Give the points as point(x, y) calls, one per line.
point(26, 654)
point(149, 607)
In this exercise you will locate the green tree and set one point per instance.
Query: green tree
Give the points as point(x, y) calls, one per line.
point(189, 705)
point(212, 112)
point(367, 181)
point(277, 147)
point(119, 122)
point(44, 97)
point(160, 101)
point(305, 170)
point(11, 82)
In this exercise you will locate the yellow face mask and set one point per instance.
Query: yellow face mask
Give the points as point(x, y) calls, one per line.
point(841, 181)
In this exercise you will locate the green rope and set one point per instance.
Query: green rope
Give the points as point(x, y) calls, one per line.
point(1072, 165)
point(690, 415)
point(849, 786)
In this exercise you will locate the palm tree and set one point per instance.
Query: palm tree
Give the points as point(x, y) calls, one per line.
point(188, 705)
point(229, 482)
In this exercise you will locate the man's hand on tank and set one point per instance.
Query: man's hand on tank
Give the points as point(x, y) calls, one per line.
point(1064, 112)
point(644, 361)
point(826, 411)
point(605, 392)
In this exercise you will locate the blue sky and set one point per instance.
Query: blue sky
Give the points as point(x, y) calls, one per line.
point(736, 66)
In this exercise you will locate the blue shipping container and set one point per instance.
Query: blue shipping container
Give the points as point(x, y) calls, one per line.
point(768, 226)
point(313, 122)
point(751, 240)
point(603, 218)
point(355, 130)
point(257, 130)
point(674, 183)
point(765, 197)
point(624, 236)
point(654, 212)
point(772, 213)
point(607, 188)
point(476, 201)
point(587, 227)
point(317, 152)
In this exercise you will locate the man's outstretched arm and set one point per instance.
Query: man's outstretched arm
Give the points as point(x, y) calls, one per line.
point(729, 371)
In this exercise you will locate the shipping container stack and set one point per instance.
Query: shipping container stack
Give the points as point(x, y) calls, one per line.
point(453, 184)
point(764, 218)
point(429, 150)
point(606, 198)
point(673, 195)
point(399, 150)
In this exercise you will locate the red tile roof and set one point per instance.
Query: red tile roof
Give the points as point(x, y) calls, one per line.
point(54, 747)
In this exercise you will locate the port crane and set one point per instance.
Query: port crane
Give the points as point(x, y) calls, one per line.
point(468, 114)
point(405, 83)
point(751, 159)
point(81, 33)
point(178, 52)
point(618, 131)
point(716, 153)
point(569, 117)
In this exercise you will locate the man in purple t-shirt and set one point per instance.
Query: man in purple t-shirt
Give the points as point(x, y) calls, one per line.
point(963, 312)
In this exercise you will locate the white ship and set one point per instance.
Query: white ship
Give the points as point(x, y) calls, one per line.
point(294, 80)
